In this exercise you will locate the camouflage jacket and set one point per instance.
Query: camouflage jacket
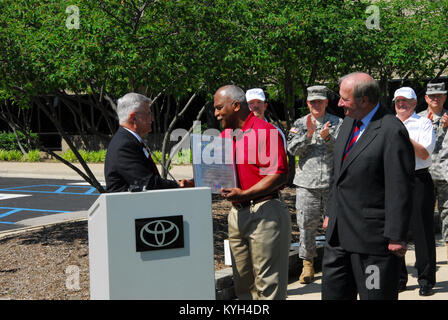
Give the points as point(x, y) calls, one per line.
point(436, 170)
point(315, 166)
point(443, 157)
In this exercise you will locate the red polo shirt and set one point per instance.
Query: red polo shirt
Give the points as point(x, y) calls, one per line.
point(258, 149)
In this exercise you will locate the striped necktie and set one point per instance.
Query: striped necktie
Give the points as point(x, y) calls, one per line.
point(353, 138)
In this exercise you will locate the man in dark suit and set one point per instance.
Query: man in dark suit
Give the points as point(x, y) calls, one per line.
point(128, 159)
point(369, 210)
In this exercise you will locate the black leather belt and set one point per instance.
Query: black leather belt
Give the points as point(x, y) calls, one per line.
point(244, 204)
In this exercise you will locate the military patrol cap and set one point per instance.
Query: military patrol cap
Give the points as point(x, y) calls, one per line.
point(435, 88)
point(317, 93)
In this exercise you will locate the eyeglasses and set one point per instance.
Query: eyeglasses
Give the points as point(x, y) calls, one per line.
point(435, 96)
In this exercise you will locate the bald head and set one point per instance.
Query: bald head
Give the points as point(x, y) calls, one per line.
point(363, 86)
point(231, 107)
point(357, 76)
point(234, 93)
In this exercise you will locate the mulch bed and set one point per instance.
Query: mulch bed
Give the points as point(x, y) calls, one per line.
point(44, 263)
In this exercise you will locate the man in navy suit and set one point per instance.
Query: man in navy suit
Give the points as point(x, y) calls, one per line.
point(370, 206)
point(128, 160)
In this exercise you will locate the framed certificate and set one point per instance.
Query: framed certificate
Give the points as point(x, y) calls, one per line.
point(213, 162)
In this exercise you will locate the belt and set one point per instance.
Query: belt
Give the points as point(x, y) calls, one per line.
point(244, 204)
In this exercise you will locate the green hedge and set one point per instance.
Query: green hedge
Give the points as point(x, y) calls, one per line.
point(15, 155)
point(8, 141)
point(88, 156)
point(183, 157)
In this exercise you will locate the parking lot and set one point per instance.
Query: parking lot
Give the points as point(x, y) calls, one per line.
point(24, 198)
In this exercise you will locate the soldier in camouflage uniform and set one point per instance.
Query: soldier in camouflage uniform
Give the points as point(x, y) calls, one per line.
point(443, 159)
point(435, 98)
point(312, 138)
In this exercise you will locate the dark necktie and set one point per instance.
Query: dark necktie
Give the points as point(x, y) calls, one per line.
point(353, 138)
point(154, 167)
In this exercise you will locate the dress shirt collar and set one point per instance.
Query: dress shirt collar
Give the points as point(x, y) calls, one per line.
point(366, 120)
point(413, 117)
point(135, 134)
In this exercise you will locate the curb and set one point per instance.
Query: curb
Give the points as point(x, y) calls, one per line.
point(7, 233)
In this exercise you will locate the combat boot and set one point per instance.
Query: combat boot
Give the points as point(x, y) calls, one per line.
point(307, 275)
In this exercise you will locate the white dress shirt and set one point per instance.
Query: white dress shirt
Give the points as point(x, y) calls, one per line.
point(420, 130)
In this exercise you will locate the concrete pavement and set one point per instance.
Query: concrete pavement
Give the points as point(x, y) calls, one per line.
point(296, 291)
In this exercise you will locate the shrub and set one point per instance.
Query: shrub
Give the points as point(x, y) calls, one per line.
point(3, 154)
point(88, 156)
point(10, 155)
point(183, 157)
point(69, 156)
point(8, 141)
point(157, 156)
point(96, 156)
point(32, 156)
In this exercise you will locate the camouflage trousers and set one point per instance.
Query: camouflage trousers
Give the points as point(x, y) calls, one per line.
point(441, 190)
point(311, 206)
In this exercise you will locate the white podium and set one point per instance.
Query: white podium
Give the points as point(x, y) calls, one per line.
point(152, 245)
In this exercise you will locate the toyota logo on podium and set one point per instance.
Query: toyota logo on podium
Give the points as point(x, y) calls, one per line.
point(159, 233)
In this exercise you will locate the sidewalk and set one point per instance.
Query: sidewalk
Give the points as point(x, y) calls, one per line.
point(297, 291)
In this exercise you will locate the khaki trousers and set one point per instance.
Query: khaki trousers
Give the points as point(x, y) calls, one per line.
point(260, 238)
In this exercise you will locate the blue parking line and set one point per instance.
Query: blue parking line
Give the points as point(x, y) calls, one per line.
point(60, 189)
point(36, 185)
point(14, 210)
point(91, 191)
point(9, 212)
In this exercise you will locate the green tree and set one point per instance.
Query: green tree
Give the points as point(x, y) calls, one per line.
point(411, 43)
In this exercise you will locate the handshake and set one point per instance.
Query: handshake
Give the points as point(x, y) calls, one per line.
point(184, 183)
point(140, 185)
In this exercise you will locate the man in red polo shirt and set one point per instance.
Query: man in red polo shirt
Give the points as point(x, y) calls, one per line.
point(259, 222)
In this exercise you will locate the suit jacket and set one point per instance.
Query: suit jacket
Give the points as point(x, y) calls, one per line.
point(127, 164)
point(372, 187)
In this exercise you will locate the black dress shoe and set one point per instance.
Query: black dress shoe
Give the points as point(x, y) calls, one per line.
point(426, 291)
point(402, 287)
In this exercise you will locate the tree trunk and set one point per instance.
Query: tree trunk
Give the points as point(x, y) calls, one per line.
point(17, 138)
point(165, 162)
point(289, 107)
point(174, 152)
point(88, 175)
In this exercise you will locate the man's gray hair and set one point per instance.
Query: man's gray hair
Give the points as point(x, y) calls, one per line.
point(129, 103)
point(235, 93)
point(364, 88)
